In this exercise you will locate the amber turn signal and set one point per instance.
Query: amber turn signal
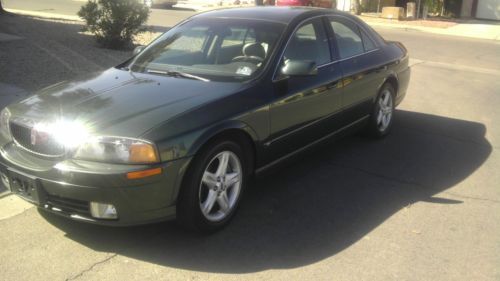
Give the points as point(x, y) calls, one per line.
point(142, 153)
point(143, 174)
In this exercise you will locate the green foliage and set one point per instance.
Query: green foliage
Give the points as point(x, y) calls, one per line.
point(114, 22)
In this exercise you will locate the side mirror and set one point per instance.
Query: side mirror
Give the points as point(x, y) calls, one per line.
point(138, 49)
point(299, 68)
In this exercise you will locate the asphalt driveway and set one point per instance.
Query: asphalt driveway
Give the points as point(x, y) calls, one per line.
point(421, 204)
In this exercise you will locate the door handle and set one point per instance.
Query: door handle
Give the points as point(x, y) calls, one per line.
point(380, 69)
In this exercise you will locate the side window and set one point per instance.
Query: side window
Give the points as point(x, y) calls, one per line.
point(348, 39)
point(367, 42)
point(309, 42)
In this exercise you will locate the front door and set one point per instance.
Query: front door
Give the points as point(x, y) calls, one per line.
point(305, 107)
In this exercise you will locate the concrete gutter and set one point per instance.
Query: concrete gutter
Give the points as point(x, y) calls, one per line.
point(44, 15)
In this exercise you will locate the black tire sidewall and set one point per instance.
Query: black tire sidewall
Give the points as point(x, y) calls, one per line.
point(188, 210)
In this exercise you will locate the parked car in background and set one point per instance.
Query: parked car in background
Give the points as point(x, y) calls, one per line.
point(178, 130)
point(168, 3)
point(312, 3)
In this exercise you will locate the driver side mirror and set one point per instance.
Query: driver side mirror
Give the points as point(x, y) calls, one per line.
point(299, 68)
point(138, 49)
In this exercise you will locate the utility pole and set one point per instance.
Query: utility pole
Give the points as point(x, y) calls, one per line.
point(378, 7)
point(418, 9)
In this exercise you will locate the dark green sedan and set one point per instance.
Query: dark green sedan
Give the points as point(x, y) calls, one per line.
point(178, 129)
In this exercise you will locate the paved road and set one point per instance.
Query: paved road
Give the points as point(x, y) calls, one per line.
point(421, 204)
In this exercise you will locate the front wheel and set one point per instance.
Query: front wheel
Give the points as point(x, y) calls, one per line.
point(382, 114)
point(212, 187)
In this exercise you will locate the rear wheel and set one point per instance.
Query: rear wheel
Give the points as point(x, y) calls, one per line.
point(212, 187)
point(382, 114)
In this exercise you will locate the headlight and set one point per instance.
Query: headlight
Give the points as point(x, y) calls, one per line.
point(117, 150)
point(4, 124)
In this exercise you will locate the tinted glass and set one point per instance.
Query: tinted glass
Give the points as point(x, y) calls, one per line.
point(309, 43)
point(348, 39)
point(367, 42)
point(214, 49)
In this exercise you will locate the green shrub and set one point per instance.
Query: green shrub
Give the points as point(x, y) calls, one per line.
point(114, 22)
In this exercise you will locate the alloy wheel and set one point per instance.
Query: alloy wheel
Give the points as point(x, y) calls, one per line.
point(220, 186)
point(385, 108)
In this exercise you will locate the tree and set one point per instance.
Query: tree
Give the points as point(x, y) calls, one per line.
point(357, 7)
point(114, 22)
point(1, 8)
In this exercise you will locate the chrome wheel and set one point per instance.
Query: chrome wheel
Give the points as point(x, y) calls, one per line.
point(385, 108)
point(220, 186)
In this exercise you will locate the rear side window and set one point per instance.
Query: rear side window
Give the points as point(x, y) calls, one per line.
point(348, 39)
point(367, 42)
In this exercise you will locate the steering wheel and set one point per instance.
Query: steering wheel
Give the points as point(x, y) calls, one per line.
point(252, 59)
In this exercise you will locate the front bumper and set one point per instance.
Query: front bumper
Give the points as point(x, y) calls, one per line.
point(67, 187)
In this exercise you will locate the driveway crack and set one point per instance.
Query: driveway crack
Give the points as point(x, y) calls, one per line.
point(90, 268)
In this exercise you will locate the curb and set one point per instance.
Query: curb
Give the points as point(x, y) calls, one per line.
point(440, 31)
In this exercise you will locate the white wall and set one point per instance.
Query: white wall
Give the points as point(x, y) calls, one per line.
point(344, 5)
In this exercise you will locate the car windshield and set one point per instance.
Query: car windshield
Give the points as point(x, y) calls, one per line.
point(211, 49)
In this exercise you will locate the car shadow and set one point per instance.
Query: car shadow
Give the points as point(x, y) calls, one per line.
point(314, 206)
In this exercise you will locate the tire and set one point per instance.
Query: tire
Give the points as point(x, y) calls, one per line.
point(203, 181)
point(382, 115)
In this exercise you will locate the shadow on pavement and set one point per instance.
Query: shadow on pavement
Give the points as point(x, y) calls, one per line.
point(313, 207)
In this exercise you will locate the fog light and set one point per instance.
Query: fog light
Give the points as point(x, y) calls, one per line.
point(5, 180)
point(103, 211)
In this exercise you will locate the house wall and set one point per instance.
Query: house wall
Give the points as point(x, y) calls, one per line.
point(488, 9)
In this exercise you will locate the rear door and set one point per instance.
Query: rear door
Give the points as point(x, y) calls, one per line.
point(305, 107)
point(361, 62)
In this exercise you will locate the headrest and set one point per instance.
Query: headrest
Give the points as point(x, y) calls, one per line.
point(254, 49)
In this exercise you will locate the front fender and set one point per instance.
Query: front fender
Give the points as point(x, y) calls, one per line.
point(187, 144)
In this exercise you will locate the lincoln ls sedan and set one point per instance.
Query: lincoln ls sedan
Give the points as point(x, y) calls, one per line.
point(177, 131)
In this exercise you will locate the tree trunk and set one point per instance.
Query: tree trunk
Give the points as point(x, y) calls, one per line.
point(357, 7)
point(1, 8)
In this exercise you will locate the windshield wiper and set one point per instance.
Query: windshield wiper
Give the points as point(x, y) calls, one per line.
point(177, 74)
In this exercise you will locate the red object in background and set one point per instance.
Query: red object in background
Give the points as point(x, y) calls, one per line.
point(293, 3)
point(313, 3)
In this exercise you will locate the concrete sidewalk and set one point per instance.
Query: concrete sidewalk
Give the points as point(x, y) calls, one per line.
point(472, 29)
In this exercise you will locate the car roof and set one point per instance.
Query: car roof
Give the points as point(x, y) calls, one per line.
point(280, 14)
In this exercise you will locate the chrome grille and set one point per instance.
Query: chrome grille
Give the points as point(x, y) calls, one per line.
point(45, 146)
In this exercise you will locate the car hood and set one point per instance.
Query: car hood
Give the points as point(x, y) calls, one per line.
point(118, 102)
